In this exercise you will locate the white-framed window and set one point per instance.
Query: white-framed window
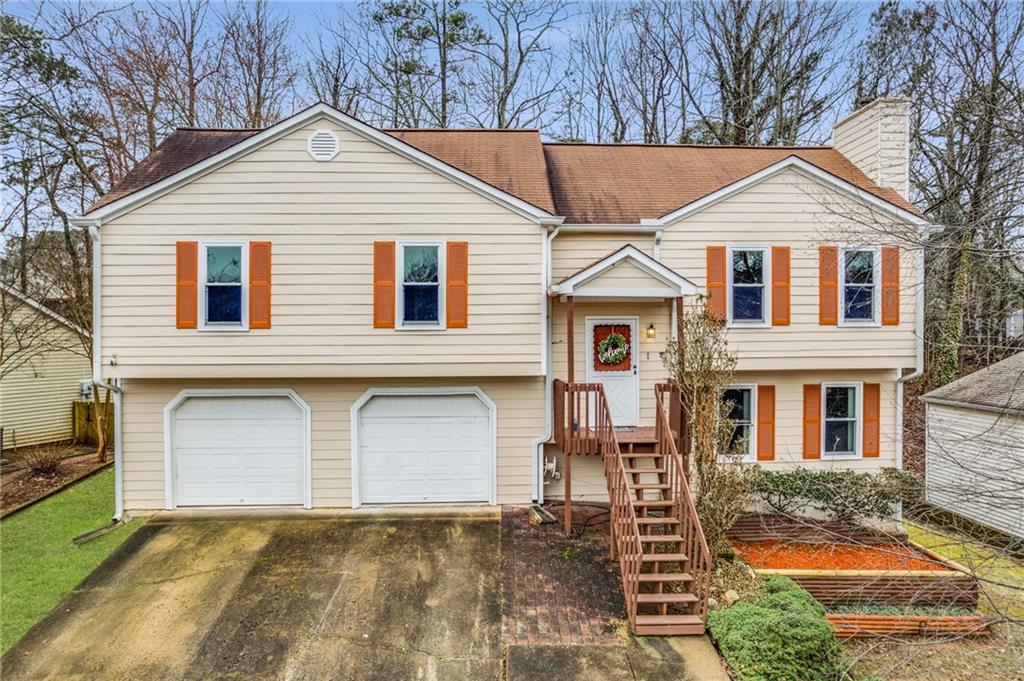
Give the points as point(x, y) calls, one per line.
point(421, 277)
point(841, 419)
point(742, 401)
point(224, 285)
point(749, 270)
point(860, 285)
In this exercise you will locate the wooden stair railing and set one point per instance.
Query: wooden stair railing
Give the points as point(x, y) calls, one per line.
point(663, 558)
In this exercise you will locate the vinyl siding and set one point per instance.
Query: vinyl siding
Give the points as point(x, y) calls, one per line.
point(35, 398)
point(588, 476)
point(520, 408)
point(573, 251)
point(790, 209)
point(876, 139)
point(322, 220)
point(975, 465)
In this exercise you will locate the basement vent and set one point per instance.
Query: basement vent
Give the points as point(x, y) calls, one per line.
point(322, 145)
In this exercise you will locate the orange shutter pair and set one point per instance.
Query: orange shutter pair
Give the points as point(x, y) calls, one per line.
point(871, 421)
point(187, 284)
point(829, 285)
point(456, 285)
point(717, 277)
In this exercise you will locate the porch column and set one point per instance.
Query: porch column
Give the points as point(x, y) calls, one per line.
point(570, 376)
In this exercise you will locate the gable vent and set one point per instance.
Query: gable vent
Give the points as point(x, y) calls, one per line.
point(322, 145)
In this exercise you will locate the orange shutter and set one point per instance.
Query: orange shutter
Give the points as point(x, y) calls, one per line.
point(780, 285)
point(812, 421)
point(766, 423)
point(259, 284)
point(872, 410)
point(187, 284)
point(457, 294)
point(890, 285)
point(383, 284)
point(716, 281)
point(828, 285)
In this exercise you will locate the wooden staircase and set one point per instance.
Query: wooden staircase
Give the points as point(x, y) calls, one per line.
point(656, 536)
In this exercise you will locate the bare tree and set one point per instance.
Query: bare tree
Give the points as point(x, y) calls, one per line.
point(514, 78)
point(335, 71)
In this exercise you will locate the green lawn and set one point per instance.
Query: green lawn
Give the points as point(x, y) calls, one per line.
point(38, 563)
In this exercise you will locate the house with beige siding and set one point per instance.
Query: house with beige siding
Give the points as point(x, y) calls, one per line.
point(42, 367)
point(324, 314)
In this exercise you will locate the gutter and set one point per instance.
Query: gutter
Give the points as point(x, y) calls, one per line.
point(538, 444)
point(97, 361)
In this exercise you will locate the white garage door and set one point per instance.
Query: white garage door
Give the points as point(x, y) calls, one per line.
point(238, 450)
point(424, 448)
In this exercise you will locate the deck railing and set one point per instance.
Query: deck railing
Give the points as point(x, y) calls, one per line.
point(694, 544)
point(583, 425)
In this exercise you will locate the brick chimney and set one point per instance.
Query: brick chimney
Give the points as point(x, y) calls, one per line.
point(876, 138)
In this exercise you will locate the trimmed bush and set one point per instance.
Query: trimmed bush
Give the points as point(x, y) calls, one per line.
point(842, 495)
point(781, 635)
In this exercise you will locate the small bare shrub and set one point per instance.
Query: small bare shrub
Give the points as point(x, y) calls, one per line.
point(43, 460)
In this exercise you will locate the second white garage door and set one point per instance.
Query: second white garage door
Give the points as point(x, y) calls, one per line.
point(424, 448)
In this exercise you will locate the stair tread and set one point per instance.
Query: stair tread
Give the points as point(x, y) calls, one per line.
point(660, 538)
point(666, 598)
point(656, 520)
point(653, 502)
point(646, 470)
point(648, 620)
point(650, 485)
point(664, 557)
point(654, 577)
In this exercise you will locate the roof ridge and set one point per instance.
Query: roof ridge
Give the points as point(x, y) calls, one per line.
point(748, 147)
point(501, 130)
point(195, 128)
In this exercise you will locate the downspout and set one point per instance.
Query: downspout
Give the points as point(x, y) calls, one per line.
point(916, 373)
point(538, 444)
point(97, 373)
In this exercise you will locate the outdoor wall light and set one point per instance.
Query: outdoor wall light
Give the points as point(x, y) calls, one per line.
point(652, 333)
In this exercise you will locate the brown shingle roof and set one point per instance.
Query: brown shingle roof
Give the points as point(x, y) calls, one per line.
point(183, 148)
point(511, 160)
point(585, 183)
point(623, 183)
point(999, 386)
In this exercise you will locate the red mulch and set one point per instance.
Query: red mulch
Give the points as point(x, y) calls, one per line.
point(778, 555)
point(22, 486)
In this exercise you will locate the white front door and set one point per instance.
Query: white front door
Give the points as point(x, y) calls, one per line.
point(424, 448)
point(621, 379)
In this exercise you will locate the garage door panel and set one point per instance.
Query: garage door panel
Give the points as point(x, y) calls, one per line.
point(239, 450)
point(424, 448)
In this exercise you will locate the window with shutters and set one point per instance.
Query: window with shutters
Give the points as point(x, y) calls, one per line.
point(420, 273)
point(859, 268)
point(742, 404)
point(749, 271)
point(224, 276)
point(841, 419)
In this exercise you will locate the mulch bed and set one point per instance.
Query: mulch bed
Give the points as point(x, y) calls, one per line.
point(22, 486)
point(785, 555)
point(558, 589)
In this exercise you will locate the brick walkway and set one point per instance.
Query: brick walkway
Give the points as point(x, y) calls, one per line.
point(558, 589)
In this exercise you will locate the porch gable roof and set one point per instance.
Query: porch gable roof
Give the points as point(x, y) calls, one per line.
point(656, 281)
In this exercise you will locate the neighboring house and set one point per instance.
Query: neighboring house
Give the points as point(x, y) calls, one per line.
point(974, 446)
point(44, 365)
point(325, 314)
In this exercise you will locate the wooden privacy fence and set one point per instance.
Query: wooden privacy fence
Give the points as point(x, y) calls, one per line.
point(84, 421)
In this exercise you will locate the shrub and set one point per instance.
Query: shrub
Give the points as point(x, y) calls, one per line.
point(841, 495)
point(782, 635)
point(44, 460)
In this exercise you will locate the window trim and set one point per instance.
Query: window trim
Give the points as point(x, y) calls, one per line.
point(203, 325)
point(766, 304)
point(442, 279)
point(876, 297)
point(858, 420)
point(751, 455)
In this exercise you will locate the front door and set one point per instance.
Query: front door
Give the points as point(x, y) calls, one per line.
point(612, 361)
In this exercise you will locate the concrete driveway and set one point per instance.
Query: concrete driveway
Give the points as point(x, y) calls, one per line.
point(307, 598)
